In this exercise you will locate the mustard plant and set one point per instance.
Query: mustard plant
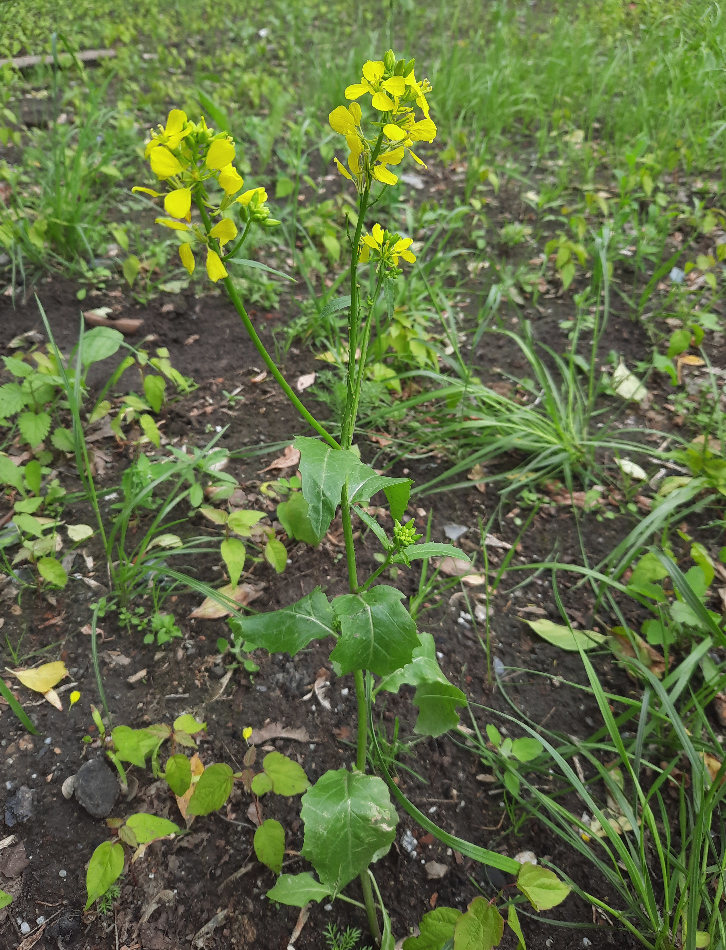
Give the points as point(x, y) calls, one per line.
point(348, 815)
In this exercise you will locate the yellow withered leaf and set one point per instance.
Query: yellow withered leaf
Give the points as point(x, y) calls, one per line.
point(43, 678)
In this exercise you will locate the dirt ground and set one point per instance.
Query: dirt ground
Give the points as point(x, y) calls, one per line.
point(197, 872)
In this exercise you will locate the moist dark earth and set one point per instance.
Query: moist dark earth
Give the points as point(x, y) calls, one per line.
point(178, 886)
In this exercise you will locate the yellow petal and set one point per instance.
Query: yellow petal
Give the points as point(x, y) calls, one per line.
point(377, 232)
point(423, 131)
point(355, 111)
point(174, 225)
point(373, 70)
point(230, 180)
point(42, 678)
point(356, 148)
point(423, 105)
point(401, 245)
point(393, 132)
point(187, 257)
point(364, 255)
point(177, 203)
point(74, 697)
point(382, 174)
point(396, 85)
point(224, 230)
point(343, 171)
point(221, 153)
point(356, 91)
point(247, 732)
point(394, 157)
point(215, 268)
point(368, 241)
point(415, 157)
point(382, 102)
point(247, 197)
point(163, 163)
point(176, 121)
point(408, 256)
point(147, 191)
point(341, 121)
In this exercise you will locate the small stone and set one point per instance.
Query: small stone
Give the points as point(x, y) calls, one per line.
point(434, 870)
point(96, 788)
point(499, 667)
point(19, 807)
point(454, 531)
point(526, 857)
point(586, 942)
point(67, 787)
point(408, 842)
point(25, 927)
point(62, 873)
point(217, 672)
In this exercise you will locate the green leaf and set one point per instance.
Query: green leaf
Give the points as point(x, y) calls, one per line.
point(296, 890)
point(276, 554)
point(233, 553)
point(514, 925)
point(291, 629)
point(5, 898)
point(154, 387)
point(100, 410)
point(364, 483)
point(52, 571)
point(12, 399)
point(261, 784)
point(269, 844)
point(542, 888)
point(105, 867)
point(324, 471)
point(293, 516)
point(151, 430)
point(287, 777)
point(212, 790)
point(241, 522)
point(187, 723)
point(437, 928)
point(679, 342)
point(33, 476)
point(349, 822)
point(79, 532)
point(398, 496)
point(62, 439)
point(130, 268)
point(134, 745)
point(100, 343)
point(18, 367)
point(437, 704)
point(178, 774)
point(699, 554)
point(29, 525)
point(217, 115)
point(34, 427)
point(11, 474)
point(564, 638)
point(377, 632)
point(480, 928)
point(149, 827)
point(526, 749)
point(367, 519)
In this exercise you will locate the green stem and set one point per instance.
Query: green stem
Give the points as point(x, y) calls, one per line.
point(364, 354)
point(365, 883)
point(260, 347)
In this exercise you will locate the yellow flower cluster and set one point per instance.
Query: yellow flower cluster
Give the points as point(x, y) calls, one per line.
point(189, 156)
point(385, 248)
point(395, 93)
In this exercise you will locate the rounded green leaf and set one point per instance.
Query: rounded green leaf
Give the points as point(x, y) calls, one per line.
point(242, 522)
point(150, 428)
point(437, 928)
point(276, 555)
point(105, 867)
point(480, 928)
point(377, 632)
point(526, 749)
point(62, 439)
point(178, 774)
point(52, 571)
point(149, 827)
point(269, 844)
point(349, 821)
point(287, 777)
point(79, 532)
point(261, 784)
point(100, 343)
point(189, 724)
point(212, 790)
point(542, 888)
point(33, 427)
point(293, 516)
point(233, 553)
point(296, 890)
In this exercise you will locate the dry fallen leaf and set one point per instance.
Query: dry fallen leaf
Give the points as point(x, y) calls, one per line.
point(183, 800)
point(304, 382)
point(459, 567)
point(290, 458)
point(476, 475)
point(276, 730)
point(259, 377)
point(42, 678)
point(242, 594)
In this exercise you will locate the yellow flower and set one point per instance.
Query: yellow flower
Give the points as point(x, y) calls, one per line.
point(177, 128)
point(230, 180)
point(381, 172)
point(225, 231)
point(259, 195)
point(163, 163)
point(215, 268)
point(74, 697)
point(386, 248)
point(187, 257)
point(147, 191)
point(246, 732)
point(221, 153)
point(418, 90)
point(379, 88)
point(178, 203)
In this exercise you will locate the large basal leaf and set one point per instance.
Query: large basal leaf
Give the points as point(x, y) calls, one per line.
point(269, 844)
point(105, 867)
point(291, 629)
point(294, 518)
point(437, 928)
point(150, 827)
point(100, 343)
point(212, 790)
point(377, 632)
point(296, 890)
point(323, 471)
point(349, 821)
point(542, 888)
point(364, 483)
point(480, 928)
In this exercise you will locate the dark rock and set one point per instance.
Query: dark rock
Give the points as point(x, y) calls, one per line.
point(217, 672)
point(19, 807)
point(66, 928)
point(96, 788)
